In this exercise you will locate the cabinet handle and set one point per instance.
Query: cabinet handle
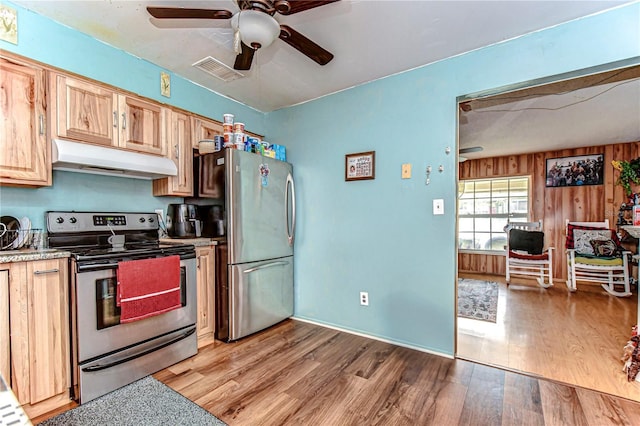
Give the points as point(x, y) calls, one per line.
point(41, 124)
point(47, 271)
point(124, 121)
point(115, 119)
point(177, 151)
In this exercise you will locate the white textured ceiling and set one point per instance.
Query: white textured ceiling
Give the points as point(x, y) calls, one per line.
point(370, 40)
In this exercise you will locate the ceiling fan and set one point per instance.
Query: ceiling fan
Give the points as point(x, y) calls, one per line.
point(471, 149)
point(255, 27)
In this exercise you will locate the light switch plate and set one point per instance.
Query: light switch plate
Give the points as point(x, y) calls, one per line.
point(406, 171)
point(438, 206)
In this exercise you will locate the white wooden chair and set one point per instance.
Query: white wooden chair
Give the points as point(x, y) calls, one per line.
point(525, 255)
point(610, 268)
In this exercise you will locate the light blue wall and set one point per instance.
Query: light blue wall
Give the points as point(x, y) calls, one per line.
point(79, 191)
point(46, 41)
point(380, 235)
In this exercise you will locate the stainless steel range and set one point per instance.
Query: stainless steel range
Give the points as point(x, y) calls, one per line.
point(110, 349)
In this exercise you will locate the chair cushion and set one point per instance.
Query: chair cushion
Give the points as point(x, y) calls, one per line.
point(604, 248)
point(525, 256)
point(599, 261)
point(569, 243)
point(530, 241)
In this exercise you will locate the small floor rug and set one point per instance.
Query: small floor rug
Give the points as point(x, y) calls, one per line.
point(145, 402)
point(477, 299)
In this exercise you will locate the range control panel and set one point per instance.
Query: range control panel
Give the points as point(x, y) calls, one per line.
point(104, 220)
point(59, 222)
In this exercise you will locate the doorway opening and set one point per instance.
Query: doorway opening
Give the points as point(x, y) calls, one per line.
point(576, 338)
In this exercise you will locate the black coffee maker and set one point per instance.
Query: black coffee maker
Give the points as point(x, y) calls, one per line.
point(183, 221)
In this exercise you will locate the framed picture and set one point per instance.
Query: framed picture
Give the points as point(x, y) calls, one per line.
point(360, 166)
point(575, 171)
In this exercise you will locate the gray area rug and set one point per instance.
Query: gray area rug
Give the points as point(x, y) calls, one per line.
point(477, 299)
point(146, 402)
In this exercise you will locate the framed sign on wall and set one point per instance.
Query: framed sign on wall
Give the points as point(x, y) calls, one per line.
point(360, 166)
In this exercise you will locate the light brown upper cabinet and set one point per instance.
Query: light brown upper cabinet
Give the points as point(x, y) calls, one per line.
point(180, 150)
point(205, 129)
point(88, 112)
point(25, 149)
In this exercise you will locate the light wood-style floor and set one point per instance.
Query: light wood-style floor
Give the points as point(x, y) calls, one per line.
point(302, 374)
point(575, 338)
point(297, 373)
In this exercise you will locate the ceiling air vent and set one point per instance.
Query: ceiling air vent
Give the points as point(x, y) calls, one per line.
point(217, 69)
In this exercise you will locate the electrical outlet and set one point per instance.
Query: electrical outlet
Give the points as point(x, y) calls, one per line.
point(160, 214)
point(364, 298)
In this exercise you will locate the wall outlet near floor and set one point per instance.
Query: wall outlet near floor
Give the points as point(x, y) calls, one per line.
point(364, 298)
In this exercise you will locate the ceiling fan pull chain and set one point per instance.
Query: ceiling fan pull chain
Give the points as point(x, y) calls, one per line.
point(237, 42)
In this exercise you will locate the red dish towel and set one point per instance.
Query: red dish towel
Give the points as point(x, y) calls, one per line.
point(148, 287)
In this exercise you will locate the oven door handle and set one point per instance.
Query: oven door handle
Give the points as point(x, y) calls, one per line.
point(99, 367)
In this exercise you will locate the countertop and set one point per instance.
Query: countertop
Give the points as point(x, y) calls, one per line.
point(10, 256)
point(198, 242)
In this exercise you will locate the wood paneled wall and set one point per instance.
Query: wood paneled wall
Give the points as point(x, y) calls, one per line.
point(552, 205)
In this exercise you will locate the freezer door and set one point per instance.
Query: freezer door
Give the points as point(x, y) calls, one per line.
point(260, 207)
point(260, 295)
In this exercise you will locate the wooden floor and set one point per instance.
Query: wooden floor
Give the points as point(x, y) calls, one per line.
point(575, 338)
point(302, 374)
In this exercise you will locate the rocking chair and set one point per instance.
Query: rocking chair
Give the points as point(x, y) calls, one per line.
point(594, 254)
point(525, 255)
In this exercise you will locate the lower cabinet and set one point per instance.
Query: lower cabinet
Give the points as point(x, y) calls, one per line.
point(39, 327)
point(5, 346)
point(206, 281)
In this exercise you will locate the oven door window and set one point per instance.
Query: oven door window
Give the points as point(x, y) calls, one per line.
point(108, 311)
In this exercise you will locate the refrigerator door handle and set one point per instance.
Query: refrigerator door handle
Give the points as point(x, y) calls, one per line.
point(266, 265)
point(290, 234)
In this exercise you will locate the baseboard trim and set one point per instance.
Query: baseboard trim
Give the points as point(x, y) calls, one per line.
point(373, 337)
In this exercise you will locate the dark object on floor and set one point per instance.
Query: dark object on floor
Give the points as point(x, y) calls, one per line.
point(145, 402)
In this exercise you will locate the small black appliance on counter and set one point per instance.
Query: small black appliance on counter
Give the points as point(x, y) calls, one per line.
point(183, 221)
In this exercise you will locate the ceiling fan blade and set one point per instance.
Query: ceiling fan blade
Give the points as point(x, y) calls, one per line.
point(291, 7)
point(470, 149)
point(184, 13)
point(244, 59)
point(304, 45)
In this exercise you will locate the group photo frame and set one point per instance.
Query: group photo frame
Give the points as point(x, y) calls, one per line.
point(575, 170)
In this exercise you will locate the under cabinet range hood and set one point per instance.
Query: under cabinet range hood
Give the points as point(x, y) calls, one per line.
point(85, 158)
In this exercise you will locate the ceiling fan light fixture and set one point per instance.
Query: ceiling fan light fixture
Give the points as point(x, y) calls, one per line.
point(257, 29)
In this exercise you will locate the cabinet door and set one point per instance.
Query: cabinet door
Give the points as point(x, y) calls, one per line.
point(25, 150)
point(85, 112)
point(48, 321)
point(181, 152)
point(5, 346)
point(141, 125)
point(206, 279)
point(205, 129)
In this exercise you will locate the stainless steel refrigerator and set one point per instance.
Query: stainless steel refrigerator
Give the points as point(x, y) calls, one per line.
point(256, 289)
